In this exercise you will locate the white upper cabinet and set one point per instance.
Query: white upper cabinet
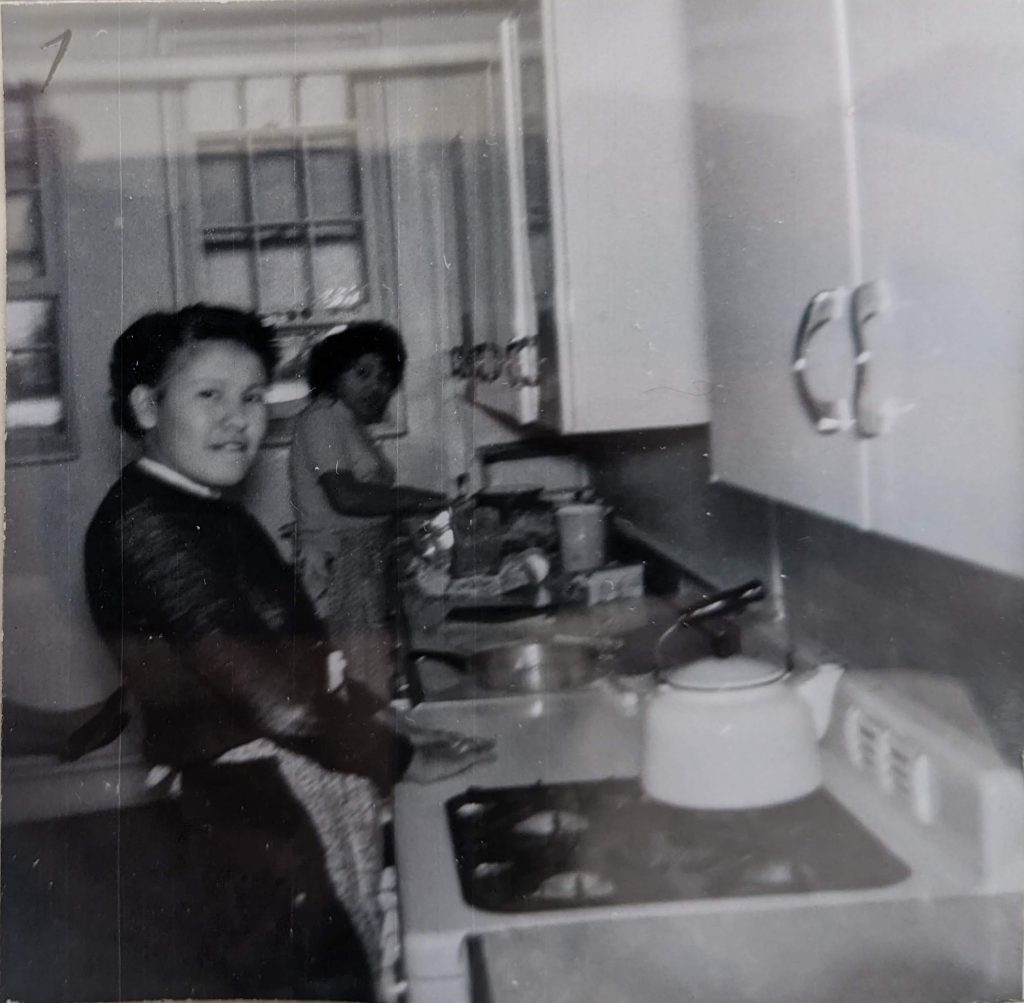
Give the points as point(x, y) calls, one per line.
point(775, 200)
point(873, 152)
point(939, 99)
point(607, 329)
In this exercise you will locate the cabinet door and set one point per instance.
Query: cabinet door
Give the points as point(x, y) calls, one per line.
point(538, 227)
point(940, 132)
point(480, 225)
point(773, 164)
point(629, 322)
point(505, 379)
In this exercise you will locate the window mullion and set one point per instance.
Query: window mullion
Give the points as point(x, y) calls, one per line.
point(254, 223)
point(306, 207)
point(316, 244)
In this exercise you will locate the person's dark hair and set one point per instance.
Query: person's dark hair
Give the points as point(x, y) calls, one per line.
point(337, 353)
point(143, 353)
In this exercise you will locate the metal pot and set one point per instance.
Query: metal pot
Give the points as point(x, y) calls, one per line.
point(555, 663)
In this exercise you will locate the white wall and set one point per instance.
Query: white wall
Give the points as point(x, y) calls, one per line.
point(119, 263)
point(118, 266)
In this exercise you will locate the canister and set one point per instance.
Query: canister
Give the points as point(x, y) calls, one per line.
point(581, 536)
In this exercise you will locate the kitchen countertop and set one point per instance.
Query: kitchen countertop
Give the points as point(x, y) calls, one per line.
point(912, 951)
point(637, 623)
point(625, 616)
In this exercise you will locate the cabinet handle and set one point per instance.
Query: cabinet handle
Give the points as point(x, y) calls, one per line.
point(826, 416)
point(486, 361)
point(522, 367)
point(869, 419)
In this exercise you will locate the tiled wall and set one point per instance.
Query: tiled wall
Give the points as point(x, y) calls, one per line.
point(850, 595)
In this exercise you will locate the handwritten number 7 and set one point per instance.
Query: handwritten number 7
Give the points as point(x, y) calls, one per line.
point(65, 40)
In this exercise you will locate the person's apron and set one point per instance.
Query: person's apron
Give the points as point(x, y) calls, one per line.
point(343, 810)
point(346, 574)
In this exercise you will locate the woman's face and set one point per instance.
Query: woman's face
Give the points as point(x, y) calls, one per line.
point(365, 388)
point(208, 416)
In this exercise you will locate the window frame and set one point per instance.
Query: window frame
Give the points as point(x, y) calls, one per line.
point(367, 128)
point(302, 142)
point(54, 444)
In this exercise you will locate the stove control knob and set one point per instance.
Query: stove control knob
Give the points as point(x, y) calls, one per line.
point(921, 789)
point(853, 736)
point(884, 762)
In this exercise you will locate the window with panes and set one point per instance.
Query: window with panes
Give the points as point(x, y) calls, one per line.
point(291, 213)
point(37, 409)
point(283, 223)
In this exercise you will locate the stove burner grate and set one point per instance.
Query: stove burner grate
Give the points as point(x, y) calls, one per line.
point(604, 842)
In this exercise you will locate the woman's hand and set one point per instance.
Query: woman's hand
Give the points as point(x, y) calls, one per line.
point(447, 757)
point(440, 754)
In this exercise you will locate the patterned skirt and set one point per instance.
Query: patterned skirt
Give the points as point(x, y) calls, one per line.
point(347, 575)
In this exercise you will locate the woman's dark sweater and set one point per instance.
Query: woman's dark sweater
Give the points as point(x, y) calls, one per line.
point(216, 638)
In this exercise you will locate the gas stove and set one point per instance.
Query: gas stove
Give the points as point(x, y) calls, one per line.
point(604, 843)
point(546, 871)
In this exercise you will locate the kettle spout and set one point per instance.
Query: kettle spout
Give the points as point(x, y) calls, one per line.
point(817, 689)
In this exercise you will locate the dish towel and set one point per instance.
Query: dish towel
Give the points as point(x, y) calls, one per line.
point(344, 811)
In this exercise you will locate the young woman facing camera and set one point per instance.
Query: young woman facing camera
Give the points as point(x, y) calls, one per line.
point(219, 646)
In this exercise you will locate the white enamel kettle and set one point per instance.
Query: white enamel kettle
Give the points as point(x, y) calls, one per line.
point(734, 733)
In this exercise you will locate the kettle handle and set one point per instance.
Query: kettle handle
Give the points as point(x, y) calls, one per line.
point(716, 605)
point(721, 603)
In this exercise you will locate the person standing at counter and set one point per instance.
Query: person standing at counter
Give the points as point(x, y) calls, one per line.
point(345, 496)
point(223, 652)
